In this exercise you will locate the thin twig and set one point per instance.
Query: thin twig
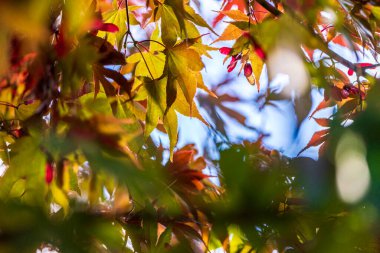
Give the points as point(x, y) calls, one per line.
point(274, 11)
point(141, 41)
point(10, 105)
point(135, 42)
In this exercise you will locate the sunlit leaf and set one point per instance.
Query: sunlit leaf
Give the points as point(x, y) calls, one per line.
point(230, 33)
point(149, 64)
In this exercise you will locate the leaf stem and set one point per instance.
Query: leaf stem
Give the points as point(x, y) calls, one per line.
point(146, 64)
point(127, 12)
point(135, 42)
point(141, 41)
point(10, 105)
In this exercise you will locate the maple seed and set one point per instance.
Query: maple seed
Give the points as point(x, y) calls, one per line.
point(231, 66)
point(49, 173)
point(225, 50)
point(233, 63)
point(247, 69)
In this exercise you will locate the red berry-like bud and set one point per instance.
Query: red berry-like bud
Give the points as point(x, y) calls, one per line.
point(351, 89)
point(344, 93)
point(49, 173)
point(225, 50)
point(28, 102)
point(354, 90)
point(247, 69)
point(350, 72)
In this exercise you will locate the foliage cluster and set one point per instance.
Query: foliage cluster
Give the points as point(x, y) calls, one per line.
point(81, 94)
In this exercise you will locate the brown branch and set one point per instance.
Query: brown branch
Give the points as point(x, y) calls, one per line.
point(274, 11)
point(141, 41)
point(10, 105)
point(135, 43)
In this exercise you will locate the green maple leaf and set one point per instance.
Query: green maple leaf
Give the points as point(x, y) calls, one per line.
point(178, 8)
point(191, 15)
point(171, 127)
point(170, 28)
point(156, 111)
point(156, 103)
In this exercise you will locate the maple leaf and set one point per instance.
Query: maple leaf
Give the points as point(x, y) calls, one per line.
point(182, 106)
point(187, 171)
point(228, 5)
point(257, 64)
point(322, 105)
point(171, 127)
point(108, 55)
point(170, 28)
point(149, 64)
point(156, 105)
point(159, 109)
point(100, 75)
point(231, 32)
point(236, 15)
point(183, 63)
point(191, 15)
point(317, 139)
point(323, 122)
point(156, 110)
point(178, 8)
point(118, 17)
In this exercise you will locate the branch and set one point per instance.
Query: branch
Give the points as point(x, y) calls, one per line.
point(274, 11)
point(141, 41)
point(15, 106)
point(135, 43)
point(127, 10)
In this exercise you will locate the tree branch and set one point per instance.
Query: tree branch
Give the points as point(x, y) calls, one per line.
point(325, 49)
point(135, 43)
